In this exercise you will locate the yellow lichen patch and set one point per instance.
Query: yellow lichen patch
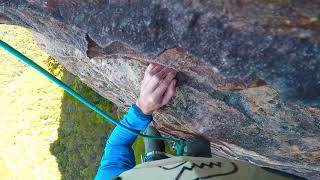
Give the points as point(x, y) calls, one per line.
point(294, 149)
point(315, 154)
point(291, 149)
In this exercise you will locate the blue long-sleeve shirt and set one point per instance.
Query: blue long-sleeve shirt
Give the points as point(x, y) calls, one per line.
point(118, 154)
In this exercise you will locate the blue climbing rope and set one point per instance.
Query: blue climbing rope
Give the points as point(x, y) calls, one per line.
point(179, 143)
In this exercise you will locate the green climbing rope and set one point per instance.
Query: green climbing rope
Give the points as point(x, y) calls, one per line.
point(179, 143)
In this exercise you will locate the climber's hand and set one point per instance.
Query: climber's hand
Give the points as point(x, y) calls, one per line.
point(157, 88)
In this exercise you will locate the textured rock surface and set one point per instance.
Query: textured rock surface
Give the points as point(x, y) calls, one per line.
point(248, 77)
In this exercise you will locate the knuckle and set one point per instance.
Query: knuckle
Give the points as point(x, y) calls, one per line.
point(152, 100)
point(157, 77)
point(166, 82)
point(163, 86)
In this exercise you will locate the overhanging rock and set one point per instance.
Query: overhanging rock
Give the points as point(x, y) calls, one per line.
point(248, 77)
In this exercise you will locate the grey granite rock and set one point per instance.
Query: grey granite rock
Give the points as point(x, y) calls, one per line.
point(248, 76)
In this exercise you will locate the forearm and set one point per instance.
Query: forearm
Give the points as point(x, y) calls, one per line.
point(118, 155)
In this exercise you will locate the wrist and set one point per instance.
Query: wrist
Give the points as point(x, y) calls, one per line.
point(142, 107)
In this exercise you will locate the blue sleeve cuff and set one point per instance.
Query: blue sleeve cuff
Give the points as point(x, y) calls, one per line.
point(139, 113)
point(136, 119)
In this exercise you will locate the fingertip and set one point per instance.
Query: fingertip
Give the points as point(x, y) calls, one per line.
point(175, 72)
point(174, 82)
point(152, 65)
point(172, 86)
point(149, 68)
point(156, 69)
point(175, 85)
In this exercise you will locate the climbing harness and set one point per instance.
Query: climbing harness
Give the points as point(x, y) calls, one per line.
point(179, 143)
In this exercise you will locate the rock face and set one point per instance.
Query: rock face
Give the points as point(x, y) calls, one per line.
point(248, 78)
